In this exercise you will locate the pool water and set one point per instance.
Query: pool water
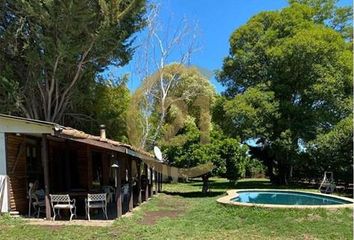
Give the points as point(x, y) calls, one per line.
point(286, 198)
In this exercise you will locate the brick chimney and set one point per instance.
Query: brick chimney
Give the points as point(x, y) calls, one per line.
point(103, 132)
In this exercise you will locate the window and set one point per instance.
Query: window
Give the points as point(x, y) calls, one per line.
point(34, 164)
point(96, 170)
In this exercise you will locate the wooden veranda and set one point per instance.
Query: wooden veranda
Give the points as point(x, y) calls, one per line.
point(65, 160)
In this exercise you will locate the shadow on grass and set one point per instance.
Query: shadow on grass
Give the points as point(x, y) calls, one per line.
point(256, 184)
point(215, 185)
point(218, 187)
point(195, 194)
point(266, 184)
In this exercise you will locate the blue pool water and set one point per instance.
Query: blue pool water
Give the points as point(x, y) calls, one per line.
point(286, 198)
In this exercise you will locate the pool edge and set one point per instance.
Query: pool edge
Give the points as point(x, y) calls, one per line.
point(232, 193)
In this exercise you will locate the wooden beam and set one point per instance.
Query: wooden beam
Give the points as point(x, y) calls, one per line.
point(44, 155)
point(118, 193)
point(130, 181)
point(138, 184)
point(56, 139)
point(98, 144)
point(89, 167)
point(67, 166)
point(151, 192)
point(159, 182)
point(156, 182)
point(146, 195)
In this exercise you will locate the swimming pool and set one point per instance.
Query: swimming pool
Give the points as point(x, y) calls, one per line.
point(284, 199)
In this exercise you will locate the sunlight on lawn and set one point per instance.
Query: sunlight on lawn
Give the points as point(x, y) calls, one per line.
point(183, 212)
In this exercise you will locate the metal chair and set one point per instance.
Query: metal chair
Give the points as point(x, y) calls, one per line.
point(96, 201)
point(110, 193)
point(34, 202)
point(62, 201)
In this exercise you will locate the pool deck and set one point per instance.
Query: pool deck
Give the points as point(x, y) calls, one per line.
point(234, 193)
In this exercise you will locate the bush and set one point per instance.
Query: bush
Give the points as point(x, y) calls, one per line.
point(228, 156)
point(235, 157)
point(255, 169)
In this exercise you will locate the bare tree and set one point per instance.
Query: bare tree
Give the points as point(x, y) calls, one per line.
point(164, 45)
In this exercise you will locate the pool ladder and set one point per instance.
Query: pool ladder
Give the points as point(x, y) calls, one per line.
point(327, 184)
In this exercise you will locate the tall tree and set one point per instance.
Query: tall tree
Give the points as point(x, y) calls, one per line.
point(189, 93)
point(327, 12)
point(333, 151)
point(288, 79)
point(105, 101)
point(47, 47)
point(163, 47)
point(228, 155)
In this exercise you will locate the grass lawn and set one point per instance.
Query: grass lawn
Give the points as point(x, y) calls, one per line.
point(182, 212)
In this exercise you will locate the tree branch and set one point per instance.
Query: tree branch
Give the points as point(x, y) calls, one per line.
point(74, 80)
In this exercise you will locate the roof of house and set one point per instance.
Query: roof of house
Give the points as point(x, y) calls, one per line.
point(14, 124)
point(33, 126)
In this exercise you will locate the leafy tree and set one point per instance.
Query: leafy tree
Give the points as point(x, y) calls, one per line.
point(49, 47)
point(333, 151)
point(185, 150)
point(254, 168)
point(288, 79)
point(256, 109)
point(102, 102)
point(8, 95)
point(185, 92)
point(227, 154)
point(110, 107)
point(235, 157)
point(327, 12)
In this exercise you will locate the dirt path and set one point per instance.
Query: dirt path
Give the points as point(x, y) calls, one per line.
point(168, 207)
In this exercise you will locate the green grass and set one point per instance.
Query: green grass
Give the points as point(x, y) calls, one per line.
point(201, 217)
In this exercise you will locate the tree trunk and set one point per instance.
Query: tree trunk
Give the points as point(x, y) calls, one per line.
point(205, 188)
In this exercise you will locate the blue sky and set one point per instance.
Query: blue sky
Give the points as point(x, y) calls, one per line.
point(217, 19)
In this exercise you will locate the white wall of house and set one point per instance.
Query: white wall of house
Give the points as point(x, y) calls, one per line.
point(2, 154)
point(4, 203)
point(10, 125)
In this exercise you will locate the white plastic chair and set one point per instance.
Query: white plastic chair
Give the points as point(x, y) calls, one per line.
point(62, 202)
point(96, 201)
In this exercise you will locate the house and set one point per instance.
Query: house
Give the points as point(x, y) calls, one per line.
point(65, 160)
